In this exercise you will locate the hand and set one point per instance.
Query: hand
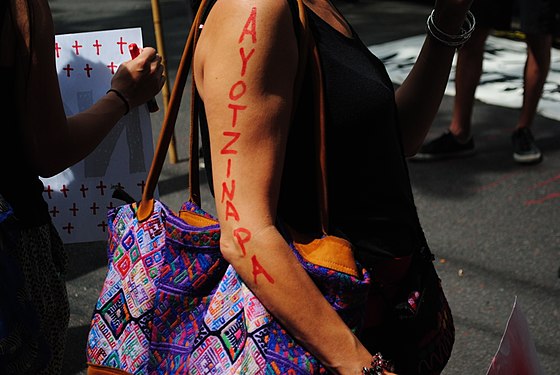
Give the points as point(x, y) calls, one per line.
point(449, 15)
point(355, 370)
point(379, 366)
point(140, 79)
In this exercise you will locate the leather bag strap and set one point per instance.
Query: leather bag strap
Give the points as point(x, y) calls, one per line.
point(146, 205)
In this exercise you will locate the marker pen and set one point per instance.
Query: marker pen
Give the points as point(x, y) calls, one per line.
point(134, 52)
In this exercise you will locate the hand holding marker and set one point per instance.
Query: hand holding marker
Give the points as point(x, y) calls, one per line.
point(134, 52)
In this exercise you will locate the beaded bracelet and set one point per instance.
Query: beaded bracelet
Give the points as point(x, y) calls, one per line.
point(455, 41)
point(378, 365)
point(121, 97)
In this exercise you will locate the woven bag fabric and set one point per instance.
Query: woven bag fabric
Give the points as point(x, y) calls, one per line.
point(220, 327)
point(193, 267)
point(171, 304)
point(120, 328)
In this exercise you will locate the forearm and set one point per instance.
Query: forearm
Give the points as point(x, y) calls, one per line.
point(419, 97)
point(84, 133)
point(93, 124)
point(274, 274)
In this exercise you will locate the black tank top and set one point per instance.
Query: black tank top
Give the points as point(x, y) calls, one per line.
point(370, 195)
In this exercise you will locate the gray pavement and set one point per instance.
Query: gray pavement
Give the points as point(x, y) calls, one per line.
point(493, 225)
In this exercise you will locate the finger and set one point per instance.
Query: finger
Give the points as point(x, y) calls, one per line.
point(157, 68)
point(159, 71)
point(148, 52)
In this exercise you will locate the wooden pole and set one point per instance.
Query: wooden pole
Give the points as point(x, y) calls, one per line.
point(165, 89)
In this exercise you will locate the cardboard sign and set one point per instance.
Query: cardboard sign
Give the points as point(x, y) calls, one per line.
point(80, 196)
point(516, 354)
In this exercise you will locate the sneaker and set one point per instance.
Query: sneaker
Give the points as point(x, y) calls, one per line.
point(525, 151)
point(446, 146)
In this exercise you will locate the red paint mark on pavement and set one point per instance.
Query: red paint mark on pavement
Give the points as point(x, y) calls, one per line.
point(544, 199)
point(496, 182)
point(545, 182)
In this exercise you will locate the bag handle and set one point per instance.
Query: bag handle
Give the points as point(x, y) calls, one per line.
point(321, 137)
point(146, 205)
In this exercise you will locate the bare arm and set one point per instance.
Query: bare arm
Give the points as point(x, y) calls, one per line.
point(245, 66)
point(419, 97)
point(54, 141)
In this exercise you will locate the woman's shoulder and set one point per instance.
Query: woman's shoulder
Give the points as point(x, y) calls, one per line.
point(262, 31)
point(264, 11)
point(230, 22)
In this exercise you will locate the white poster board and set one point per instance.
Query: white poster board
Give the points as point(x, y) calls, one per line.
point(516, 354)
point(80, 196)
point(501, 82)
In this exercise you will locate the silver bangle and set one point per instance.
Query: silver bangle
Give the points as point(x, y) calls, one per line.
point(454, 41)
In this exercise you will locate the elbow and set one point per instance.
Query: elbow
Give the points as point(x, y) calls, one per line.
point(232, 250)
point(411, 153)
point(47, 167)
point(44, 170)
point(411, 148)
point(412, 141)
point(48, 172)
point(48, 157)
point(237, 242)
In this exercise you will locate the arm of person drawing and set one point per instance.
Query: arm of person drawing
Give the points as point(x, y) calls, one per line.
point(419, 96)
point(245, 65)
point(56, 142)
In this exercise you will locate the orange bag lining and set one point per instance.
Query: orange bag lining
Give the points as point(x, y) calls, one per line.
point(104, 370)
